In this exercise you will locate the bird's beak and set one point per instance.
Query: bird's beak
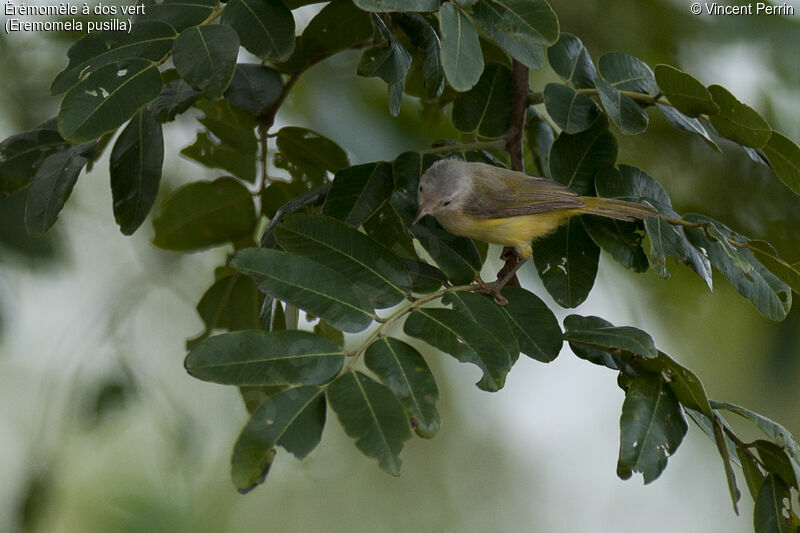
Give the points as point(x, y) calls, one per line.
point(421, 213)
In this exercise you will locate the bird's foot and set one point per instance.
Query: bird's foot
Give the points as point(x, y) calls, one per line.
point(493, 289)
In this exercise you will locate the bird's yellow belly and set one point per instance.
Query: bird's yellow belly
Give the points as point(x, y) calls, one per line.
point(516, 231)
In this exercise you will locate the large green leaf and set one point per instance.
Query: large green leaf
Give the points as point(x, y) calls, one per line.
point(771, 296)
point(461, 50)
point(486, 314)
point(135, 168)
point(293, 419)
point(684, 383)
point(576, 158)
point(147, 40)
point(371, 414)
point(308, 200)
point(205, 56)
point(308, 156)
point(779, 434)
point(205, 214)
point(397, 5)
point(340, 25)
point(176, 97)
point(309, 285)
point(425, 278)
point(622, 240)
point(289, 357)
point(784, 156)
point(567, 263)
point(738, 122)
point(777, 461)
point(588, 331)
point(107, 98)
point(390, 62)
point(369, 265)
point(685, 93)
point(254, 88)
point(519, 27)
point(652, 427)
point(401, 368)
point(571, 110)
point(233, 302)
point(769, 515)
point(22, 154)
point(627, 73)
point(359, 191)
point(265, 27)
point(455, 333)
point(623, 110)
point(51, 186)
point(788, 273)
point(386, 226)
point(179, 14)
point(692, 125)
point(486, 108)
point(534, 325)
point(424, 38)
point(571, 61)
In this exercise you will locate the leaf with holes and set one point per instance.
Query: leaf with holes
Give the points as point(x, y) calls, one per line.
point(265, 27)
point(205, 56)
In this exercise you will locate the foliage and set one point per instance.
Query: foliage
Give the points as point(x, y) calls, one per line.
point(340, 246)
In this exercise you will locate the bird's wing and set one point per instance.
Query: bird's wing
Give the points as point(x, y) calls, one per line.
point(502, 193)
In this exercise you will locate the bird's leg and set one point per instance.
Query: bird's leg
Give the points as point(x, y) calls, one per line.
point(509, 255)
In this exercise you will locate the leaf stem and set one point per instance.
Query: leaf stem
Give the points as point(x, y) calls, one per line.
point(400, 313)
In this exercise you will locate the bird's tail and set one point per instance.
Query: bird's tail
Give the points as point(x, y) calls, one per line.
point(616, 209)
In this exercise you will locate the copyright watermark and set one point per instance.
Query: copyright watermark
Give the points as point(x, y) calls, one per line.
point(757, 8)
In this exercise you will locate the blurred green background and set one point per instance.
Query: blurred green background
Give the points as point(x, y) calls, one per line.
point(102, 430)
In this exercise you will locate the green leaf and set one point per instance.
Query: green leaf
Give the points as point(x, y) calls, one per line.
point(571, 61)
point(107, 98)
point(205, 214)
point(614, 360)
point(175, 98)
point(486, 314)
point(51, 186)
point(684, 383)
point(567, 263)
point(265, 27)
point(233, 302)
point(576, 158)
point(229, 141)
point(424, 38)
point(622, 240)
point(627, 73)
point(789, 274)
point(738, 122)
point(652, 427)
point(147, 40)
point(368, 265)
point(529, 22)
point(539, 136)
point(293, 419)
point(571, 110)
point(277, 193)
point(752, 473)
point(390, 62)
point(308, 156)
point(386, 227)
point(397, 5)
point(455, 333)
point(777, 461)
point(338, 26)
point(685, 93)
point(179, 14)
point(784, 156)
point(254, 88)
point(326, 331)
point(135, 168)
point(486, 108)
point(519, 27)
point(358, 191)
point(724, 452)
point(534, 325)
point(771, 296)
point(401, 368)
point(461, 49)
point(289, 357)
point(311, 286)
point(680, 121)
point(623, 110)
point(370, 413)
point(424, 277)
point(21, 155)
point(770, 513)
point(587, 330)
point(777, 432)
point(205, 56)
point(307, 200)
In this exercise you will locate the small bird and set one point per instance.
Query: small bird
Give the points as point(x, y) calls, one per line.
point(507, 207)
